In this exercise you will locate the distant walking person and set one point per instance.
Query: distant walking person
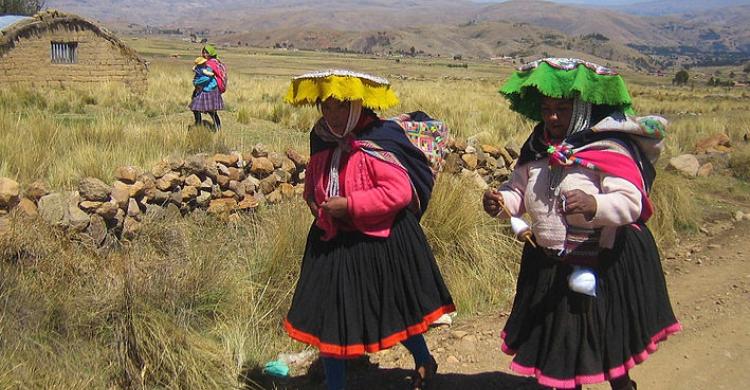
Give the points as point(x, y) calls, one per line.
point(211, 74)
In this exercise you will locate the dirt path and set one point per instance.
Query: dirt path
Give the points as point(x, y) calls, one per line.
point(709, 284)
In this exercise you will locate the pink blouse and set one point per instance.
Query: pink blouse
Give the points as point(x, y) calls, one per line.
point(376, 191)
point(618, 202)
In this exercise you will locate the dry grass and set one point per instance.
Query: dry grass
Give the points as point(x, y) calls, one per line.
point(192, 303)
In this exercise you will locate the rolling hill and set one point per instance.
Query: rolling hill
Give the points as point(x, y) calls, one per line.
point(691, 35)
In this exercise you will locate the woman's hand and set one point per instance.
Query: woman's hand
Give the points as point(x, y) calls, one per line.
point(493, 202)
point(313, 207)
point(337, 207)
point(578, 202)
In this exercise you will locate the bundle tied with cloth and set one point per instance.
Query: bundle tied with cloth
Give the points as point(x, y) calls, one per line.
point(602, 135)
point(428, 135)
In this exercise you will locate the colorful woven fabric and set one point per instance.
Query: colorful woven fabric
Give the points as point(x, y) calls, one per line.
point(428, 135)
point(311, 88)
point(564, 78)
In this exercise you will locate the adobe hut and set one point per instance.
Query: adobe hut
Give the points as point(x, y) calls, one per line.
point(54, 49)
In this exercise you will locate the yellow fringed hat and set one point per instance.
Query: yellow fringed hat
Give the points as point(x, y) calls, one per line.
point(310, 88)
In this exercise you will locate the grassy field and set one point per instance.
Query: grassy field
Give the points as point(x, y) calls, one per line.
point(194, 302)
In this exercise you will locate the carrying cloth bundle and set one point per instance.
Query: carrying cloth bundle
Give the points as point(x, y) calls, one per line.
point(604, 135)
point(427, 134)
point(386, 140)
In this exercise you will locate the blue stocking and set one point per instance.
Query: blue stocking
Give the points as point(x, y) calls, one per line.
point(335, 373)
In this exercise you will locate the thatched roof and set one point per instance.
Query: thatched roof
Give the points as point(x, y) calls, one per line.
point(49, 20)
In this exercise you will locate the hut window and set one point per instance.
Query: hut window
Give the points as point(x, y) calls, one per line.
point(64, 52)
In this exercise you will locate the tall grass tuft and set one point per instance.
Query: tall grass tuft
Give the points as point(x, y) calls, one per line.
point(477, 254)
point(676, 211)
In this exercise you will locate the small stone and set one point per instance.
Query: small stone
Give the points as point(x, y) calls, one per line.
point(470, 160)
point(222, 206)
point(168, 181)
point(299, 160)
point(77, 219)
point(236, 174)
point(160, 197)
point(460, 144)
point(229, 194)
point(282, 176)
point(133, 209)
point(274, 197)
point(120, 194)
point(130, 228)
point(90, 206)
point(175, 162)
point(194, 180)
point(189, 193)
point(94, 189)
point(458, 334)
point(128, 174)
point(287, 190)
point(268, 184)
point(686, 164)
point(207, 184)
point(261, 167)
point(491, 150)
point(136, 189)
point(223, 181)
point(160, 169)
point(507, 157)
point(453, 163)
point(97, 229)
point(452, 360)
point(288, 166)
point(260, 150)
point(108, 210)
point(37, 190)
point(27, 207)
point(276, 159)
point(248, 203)
point(223, 170)
point(203, 198)
point(705, 170)
point(52, 208)
point(739, 216)
point(229, 160)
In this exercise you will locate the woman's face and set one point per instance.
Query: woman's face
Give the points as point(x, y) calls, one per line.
point(336, 113)
point(205, 54)
point(556, 114)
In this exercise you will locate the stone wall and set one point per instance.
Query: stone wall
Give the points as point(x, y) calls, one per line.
point(223, 185)
point(99, 60)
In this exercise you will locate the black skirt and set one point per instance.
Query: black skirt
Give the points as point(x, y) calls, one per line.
point(565, 338)
point(359, 294)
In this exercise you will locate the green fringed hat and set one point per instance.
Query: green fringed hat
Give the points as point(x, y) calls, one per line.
point(564, 78)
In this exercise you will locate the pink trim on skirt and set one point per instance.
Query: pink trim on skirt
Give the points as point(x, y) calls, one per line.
point(594, 378)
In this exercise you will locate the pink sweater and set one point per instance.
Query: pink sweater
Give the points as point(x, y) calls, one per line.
point(375, 191)
point(618, 202)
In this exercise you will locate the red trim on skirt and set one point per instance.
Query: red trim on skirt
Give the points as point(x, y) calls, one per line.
point(355, 350)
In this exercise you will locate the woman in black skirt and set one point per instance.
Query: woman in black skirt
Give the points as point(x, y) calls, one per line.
point(368, 280)
point(591, 300)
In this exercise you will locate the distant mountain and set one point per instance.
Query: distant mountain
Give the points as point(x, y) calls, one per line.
point(695, 32)
point(678, 7)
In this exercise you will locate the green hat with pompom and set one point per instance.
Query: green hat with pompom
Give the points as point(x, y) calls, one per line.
point(564, 78)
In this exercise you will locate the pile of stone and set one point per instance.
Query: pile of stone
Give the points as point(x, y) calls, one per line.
point(711, 153)
point(486, 165)
point(222, 185)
